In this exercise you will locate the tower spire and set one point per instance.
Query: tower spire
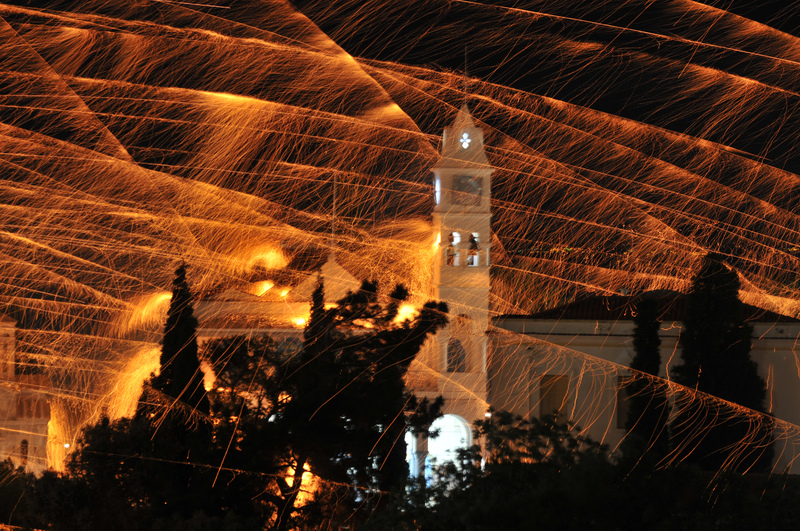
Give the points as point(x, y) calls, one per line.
point(466, 75)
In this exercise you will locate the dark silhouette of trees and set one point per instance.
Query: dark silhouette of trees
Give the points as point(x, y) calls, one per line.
point(648, 409)
point(131, 474)
point(532, 474)
point(296, 435)
point(715, 344)
point(157, 469)
point(321, 430)
point(539, 474)
point(16, 506)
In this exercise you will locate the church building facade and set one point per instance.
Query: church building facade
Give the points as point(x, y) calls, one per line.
point(24, 407)
point(569, 360)
point(453, 363)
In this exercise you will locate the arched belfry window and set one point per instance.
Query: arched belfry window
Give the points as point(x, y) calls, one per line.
point(456, 356)
point(473, 259)
point(452, 255)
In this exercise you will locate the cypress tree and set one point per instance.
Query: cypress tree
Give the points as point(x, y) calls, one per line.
point(181, 378)
point(648, 410)
point(157, 469)
point(715, 344)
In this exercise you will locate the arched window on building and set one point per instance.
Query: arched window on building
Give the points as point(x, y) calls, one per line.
point(456, 356)
point(23, 452)
point(553, 394)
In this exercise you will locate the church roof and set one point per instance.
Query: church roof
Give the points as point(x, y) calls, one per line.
point(671, 306)
point(337, 283)
point(295, 283)
point(463, 119)
point(453, 153)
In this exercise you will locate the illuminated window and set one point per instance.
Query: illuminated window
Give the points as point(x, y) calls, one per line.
point(411, 454)
point(553, 390)
point(437, 190)
point(456, 356)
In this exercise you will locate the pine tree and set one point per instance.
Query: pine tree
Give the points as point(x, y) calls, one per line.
point(338, 408)
point(715, 344)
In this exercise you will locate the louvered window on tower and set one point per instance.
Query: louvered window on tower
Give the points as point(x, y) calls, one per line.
point(473, 256)
point(456, 356)
point(452, 254)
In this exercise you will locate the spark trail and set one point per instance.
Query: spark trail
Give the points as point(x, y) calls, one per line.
point(629, 139)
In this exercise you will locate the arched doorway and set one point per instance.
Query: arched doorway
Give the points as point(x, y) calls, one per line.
point(454, 434)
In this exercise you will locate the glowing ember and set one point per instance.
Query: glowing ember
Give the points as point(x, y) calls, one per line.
point(262, 287)
point(268, 259)
point(406, 312)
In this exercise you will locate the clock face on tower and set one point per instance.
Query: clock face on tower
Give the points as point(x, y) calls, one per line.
point(467, 190)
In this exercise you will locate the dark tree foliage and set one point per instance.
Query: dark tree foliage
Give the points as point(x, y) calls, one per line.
point(133, 475)
point(15, 500)
point(648, 409)
point(156, 470)
point(337, 407)
point(334, 405)
point(544, 475)
point(180, 378)
point(715, 344)
point(530, 475)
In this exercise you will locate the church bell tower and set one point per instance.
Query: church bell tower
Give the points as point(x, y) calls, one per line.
point(453, 362)
point(462, 219)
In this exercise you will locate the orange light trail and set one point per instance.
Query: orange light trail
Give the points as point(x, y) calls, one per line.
point(625, 150)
